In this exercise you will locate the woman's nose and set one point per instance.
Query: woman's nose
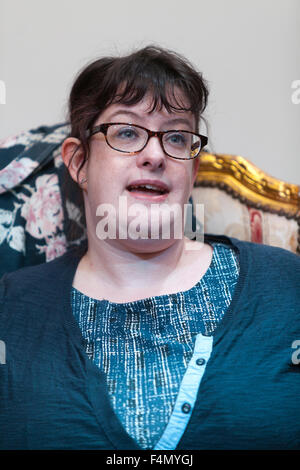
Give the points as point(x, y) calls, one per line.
point(152, 155)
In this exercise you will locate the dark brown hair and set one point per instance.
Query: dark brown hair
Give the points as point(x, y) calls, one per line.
point(127, 80)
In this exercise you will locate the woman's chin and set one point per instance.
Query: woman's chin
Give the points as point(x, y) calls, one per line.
point(148, 245)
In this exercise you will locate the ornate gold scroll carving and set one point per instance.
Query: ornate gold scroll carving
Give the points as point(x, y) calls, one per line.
point(248, 183)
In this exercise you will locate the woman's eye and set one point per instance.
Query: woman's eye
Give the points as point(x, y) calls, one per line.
point(177, 139)
point(127, 134)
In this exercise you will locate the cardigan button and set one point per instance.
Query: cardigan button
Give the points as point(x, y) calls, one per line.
point(186, 408)
point(200, 361)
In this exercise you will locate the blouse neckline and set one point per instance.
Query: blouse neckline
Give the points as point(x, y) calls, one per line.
point(162, 298)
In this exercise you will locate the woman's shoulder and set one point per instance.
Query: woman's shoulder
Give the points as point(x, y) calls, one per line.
point(263, 263)
point(269, 255)
point(258, 249)
point(32, 279)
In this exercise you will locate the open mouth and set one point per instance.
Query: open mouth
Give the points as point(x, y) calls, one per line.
point(145, 189)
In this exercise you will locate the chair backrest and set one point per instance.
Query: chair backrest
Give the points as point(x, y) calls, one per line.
point(242, 201)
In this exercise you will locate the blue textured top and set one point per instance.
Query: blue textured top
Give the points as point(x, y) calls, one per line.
point(53, 396)
point(146, 347)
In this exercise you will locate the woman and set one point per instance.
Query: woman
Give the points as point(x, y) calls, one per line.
point(154, 341)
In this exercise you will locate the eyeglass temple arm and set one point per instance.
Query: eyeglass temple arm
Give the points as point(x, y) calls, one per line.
point(95, 130)
point(204, 141)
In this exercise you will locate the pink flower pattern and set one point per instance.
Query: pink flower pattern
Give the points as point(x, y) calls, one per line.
point(15, 172)
point(55, 247)
point(43, 209)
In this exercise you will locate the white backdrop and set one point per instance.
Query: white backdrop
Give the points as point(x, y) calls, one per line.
point(248, 50)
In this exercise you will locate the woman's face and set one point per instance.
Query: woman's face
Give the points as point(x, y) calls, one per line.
point(111, 174)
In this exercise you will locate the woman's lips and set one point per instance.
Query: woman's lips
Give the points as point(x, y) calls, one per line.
point(144, 195)
point(149, 190)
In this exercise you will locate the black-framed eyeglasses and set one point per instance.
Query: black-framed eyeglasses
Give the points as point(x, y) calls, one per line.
point(132, 139)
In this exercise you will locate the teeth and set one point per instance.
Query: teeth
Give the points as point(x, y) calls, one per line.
point(148, 186)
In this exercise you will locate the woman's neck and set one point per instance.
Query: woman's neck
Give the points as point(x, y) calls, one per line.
point(110, 270)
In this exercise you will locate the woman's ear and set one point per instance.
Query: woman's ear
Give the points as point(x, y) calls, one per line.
point(73, 156)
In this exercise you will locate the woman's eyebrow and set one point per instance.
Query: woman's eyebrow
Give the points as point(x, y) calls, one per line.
point(123, 111)
point(172, 121)
point(183, 121)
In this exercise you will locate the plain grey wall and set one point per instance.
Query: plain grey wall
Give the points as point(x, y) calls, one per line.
point(248, 50)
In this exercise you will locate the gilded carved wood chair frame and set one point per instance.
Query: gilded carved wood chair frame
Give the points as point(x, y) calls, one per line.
point(250, 185)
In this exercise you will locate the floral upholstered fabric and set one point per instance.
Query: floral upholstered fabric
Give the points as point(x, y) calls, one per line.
point(34, 212)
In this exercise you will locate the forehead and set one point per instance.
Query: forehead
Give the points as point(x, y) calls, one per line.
point(146, 110)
